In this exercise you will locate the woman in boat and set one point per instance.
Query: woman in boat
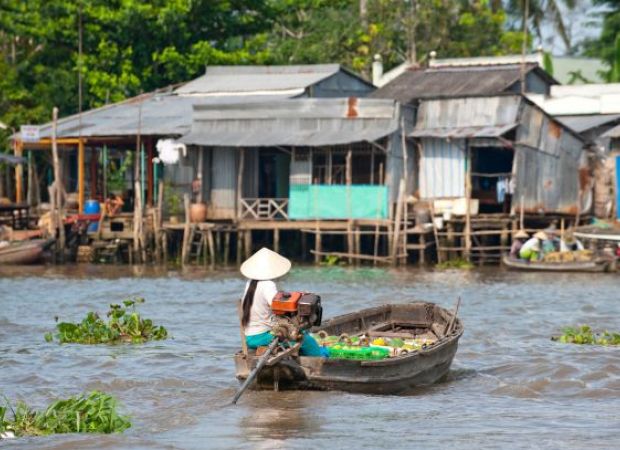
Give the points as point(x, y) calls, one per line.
point(531, 250)
point(519, 239)
point(257, 319)
point(570, 243)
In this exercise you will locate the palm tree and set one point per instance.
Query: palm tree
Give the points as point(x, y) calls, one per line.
point(541, 11)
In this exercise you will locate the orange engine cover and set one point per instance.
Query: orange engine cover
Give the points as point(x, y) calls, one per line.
point(285, 303)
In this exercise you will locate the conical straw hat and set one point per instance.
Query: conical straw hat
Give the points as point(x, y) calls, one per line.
point(521, 234)
point(265, 264)
point(541, 235)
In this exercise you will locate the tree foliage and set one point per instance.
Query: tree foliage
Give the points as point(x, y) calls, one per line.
point(133, 46)
point(607, 46)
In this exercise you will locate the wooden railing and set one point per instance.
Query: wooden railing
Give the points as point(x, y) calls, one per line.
point(264, 208)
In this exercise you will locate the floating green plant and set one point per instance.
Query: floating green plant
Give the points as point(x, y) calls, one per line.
point(584, 335)
point(457, 263)
point(92, 413)
point(124, 325)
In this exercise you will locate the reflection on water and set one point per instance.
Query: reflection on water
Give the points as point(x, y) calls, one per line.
point(510, 386)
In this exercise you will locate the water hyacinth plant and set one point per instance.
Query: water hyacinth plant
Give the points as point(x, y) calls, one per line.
point(585, 335)
point(124, 325)
point(92, 413)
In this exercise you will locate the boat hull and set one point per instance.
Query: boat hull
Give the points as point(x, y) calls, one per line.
point(602, 265)
point(24, 252)
point(397, 375)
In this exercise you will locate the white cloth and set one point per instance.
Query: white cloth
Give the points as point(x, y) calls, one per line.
point(564, 247)
point(531, 244)
point(261, 316)
point(169, 150)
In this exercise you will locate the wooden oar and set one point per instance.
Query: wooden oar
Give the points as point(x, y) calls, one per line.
point(453, 320)
point(261, 363)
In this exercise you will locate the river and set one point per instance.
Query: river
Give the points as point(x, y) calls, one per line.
point(510, 386)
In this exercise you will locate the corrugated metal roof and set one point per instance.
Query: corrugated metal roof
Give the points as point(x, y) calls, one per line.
point(296, 122)
point(467, 117)
point(586, 122)
point(465, 132)
point(152, 114)
point(243, 79)
point(613, 133)
point(451, 82)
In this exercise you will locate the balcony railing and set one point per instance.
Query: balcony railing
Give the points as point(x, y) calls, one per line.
point(264, 208)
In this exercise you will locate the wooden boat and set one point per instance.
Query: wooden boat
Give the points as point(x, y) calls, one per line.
point(596, 265)
point(392, 375)
point(24, 252)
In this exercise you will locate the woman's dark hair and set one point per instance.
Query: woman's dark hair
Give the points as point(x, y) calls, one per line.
point(247, 302)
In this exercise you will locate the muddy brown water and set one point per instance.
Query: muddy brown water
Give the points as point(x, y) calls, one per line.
point(509, 386)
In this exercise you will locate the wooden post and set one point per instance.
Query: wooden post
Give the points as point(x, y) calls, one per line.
point(350, 249)
point(437, 248)
point(248, 243)
point(317, 246)
point(58, 187)
point(239, 246)
point(468, 203)
point(186, 230)
point(211, 248)
point(276, 240)
point(226, 246)
point(240, 181)
point(397, 221)
point(81, 168)
point(150, 182)
point(19, 172)
point(422, 257)
point(372, 165)
point(358, 243)
point(138, 239)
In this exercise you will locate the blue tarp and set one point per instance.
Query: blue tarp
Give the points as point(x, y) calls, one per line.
point(318, 201)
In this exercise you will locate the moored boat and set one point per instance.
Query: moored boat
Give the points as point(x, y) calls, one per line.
point(393, 375)
point(599, 264)
point(24, 252)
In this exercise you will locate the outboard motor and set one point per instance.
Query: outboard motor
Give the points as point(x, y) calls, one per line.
point(296, 312)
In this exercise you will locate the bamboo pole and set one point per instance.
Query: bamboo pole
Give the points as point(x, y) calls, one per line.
point(437, 247)
point(19, 172)
point(397, 220)
point(240, 181)
point(81, 164)
point(468, 203)
point(58, 220)
point(521, 213)
point(186, 230)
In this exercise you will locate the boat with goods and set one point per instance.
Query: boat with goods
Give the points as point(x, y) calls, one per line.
point(416, 344)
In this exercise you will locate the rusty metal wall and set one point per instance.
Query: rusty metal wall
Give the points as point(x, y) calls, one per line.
point(547, 165)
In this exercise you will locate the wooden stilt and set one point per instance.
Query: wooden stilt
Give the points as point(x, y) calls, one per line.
point(317, 247)
point(186, 231)
point(226, 247)
point(218, 244)
point(358, 243)
point(350, 243)
point(211, 244)
point(239, 246)
point(248, 243)
point(276, 240)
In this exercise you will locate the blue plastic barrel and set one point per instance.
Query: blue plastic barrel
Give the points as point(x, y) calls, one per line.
point(92, 207)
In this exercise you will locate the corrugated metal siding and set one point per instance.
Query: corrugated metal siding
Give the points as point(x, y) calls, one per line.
point(250, 173)
point(301, 167)
point(223, 183)
point(182, 173)
point(468, 112)
point(442, 168)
